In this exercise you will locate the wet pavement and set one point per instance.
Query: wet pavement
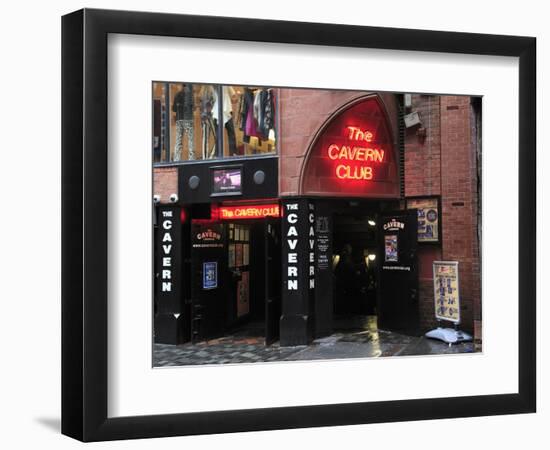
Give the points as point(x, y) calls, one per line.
point(359, 339)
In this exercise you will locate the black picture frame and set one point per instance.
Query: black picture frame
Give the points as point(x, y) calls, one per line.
point(84, 224)
point(408, 200)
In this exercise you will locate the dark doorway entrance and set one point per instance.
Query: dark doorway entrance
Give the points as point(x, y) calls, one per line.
point(244, 303)
point(354, 264)
point(374, 267)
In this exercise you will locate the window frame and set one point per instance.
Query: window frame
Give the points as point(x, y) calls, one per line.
point(220, 138)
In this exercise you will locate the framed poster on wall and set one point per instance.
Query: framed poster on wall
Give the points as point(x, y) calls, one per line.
point(107, 66)
point(210, 275)
point(429, 217)
point(391, 249)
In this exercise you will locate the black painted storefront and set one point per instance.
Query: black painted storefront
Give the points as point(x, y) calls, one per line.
point(294, 290)
point(198, 307)
point(343, 246)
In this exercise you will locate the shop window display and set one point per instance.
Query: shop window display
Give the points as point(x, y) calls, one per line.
point(254, 121)
point(187, 124)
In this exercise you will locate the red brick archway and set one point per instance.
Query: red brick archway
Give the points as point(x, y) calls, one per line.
point(353, 154)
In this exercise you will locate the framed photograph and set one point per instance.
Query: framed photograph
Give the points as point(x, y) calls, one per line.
point(163, 122)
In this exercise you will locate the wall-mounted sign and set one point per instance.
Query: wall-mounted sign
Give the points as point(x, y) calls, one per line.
point(323, 236)
point(354, 155)
point(227, 181)
point(207, 235)
point(428, 218)
point(249, 211)
point(357, 151)
point(397, 231)
point(299, 229)
point(168, 253)
point(210, 275)
point(393, 225)
point(446, 291)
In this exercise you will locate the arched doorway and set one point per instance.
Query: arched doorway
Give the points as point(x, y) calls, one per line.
point(352, 172)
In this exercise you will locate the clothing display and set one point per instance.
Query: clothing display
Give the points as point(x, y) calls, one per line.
point(269, 112)
point(209, 129)
point(184, 127)
point(250, 125)
point(183, 103)
point(257, 114)
point(247, 116)
point(230, 128)
point(183, 107)
point(227, 92)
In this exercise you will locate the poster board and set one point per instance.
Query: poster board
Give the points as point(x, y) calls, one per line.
point(210, 275)
point(428, 218)
point(446, 291)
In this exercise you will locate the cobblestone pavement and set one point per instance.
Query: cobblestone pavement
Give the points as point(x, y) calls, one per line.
point(361, 342)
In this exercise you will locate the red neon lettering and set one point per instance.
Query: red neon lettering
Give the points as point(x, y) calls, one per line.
point(355, 153)
point(249, 212)
point(345, 172)
point(333, 151)
point(343, 152)
point(356, 134)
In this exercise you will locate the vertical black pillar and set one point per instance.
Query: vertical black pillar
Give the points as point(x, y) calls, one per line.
point(324, 278)
point(169, 319)
point(298, 272)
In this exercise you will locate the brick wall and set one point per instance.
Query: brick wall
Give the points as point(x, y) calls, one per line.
point(423, 156)
point(165, 182)
point(444, 164)
point(458, 198)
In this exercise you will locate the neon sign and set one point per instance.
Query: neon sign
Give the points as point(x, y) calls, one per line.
point(357, 134)
point(250, 211)
point(355, 153)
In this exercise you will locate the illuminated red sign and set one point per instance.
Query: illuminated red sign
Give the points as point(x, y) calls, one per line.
point(354, 155)
point(250, 211)
point(356, 151)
